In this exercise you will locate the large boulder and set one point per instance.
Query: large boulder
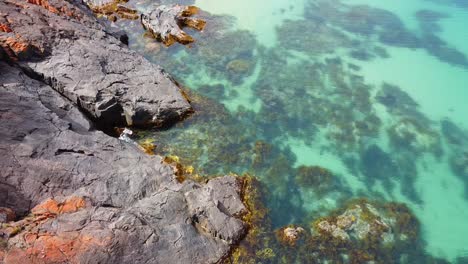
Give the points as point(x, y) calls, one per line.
point(62, 44)
point(79, 195)
point(86, 197)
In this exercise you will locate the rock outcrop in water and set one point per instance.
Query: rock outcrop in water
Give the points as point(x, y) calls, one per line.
point(164, 23)
point(81, 196)
point(112, 9)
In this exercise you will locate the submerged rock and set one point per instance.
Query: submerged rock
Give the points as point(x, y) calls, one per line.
point(366, 232)
point(290, 235)
point(165, 23)
point(358, 222)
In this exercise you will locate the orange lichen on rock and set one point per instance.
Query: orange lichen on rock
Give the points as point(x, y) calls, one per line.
point(72, 205)
point(17, 45)
point(45, 4)
point(59, 10)
point(60, 248)
point(49, 209)
point(5, 28)
point(51, 206)
point(30, 243)
point(17, 48)
point(53, 248)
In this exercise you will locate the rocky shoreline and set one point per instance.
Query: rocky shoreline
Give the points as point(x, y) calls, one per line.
point(79, 195)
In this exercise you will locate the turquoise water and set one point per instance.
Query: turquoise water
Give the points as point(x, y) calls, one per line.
point(374, 91)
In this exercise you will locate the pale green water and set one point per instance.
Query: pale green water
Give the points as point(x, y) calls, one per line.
point(299, 88)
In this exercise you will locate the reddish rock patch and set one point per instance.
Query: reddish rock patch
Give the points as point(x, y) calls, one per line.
point(33, 245)
point(5, 28)
point(45, 4)
point(53, 248)
point(52, 207)
point(56, 8)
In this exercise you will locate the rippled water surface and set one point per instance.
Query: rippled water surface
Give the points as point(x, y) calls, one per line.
point(375, 93)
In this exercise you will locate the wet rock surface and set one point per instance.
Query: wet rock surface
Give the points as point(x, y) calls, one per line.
point(165, 23)
point(70, 193)
point(76, 55)
point(112, 9)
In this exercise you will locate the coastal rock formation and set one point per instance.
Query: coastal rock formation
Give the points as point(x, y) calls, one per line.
point(111, 203)
point(72, 194)
point(75, 54)
point(112, 9)
point(164, 23)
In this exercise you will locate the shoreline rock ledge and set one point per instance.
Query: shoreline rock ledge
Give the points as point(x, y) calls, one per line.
point(75, 194)
point(62, 44)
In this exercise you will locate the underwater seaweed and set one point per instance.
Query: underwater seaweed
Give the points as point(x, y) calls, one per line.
point(259, 109)
point(311, 38)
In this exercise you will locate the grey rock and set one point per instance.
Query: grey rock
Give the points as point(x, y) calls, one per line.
point(165, 22)
point(83, 59)
point(213, 206)
point(68, 73)
point(137, 211)
point(225, 191)
point(6, 215)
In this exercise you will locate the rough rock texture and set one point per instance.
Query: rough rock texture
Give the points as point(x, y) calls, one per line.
point(112, 9)
point(164, 23)
point(218, 199)
point(6, 215)
point(111, 203)
point(62, 44)
point(72, 194)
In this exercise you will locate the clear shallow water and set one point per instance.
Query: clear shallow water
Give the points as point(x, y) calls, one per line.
point(373, 91)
